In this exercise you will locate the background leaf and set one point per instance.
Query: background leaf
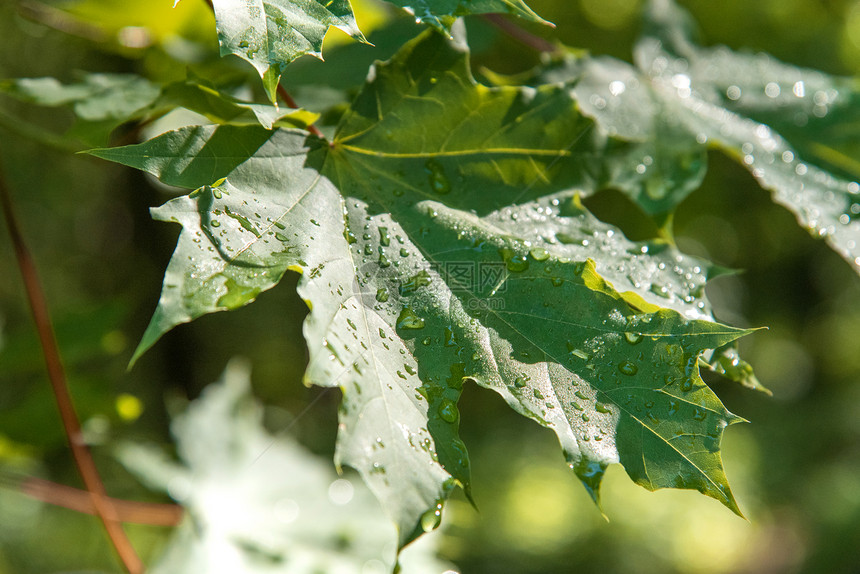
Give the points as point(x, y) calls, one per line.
point(441, 13)
point(103, 102)
point(259, 503)
point(682, 98)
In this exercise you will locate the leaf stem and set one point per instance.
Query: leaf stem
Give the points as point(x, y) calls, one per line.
point(101, 504)
point(81, 501)
point(521, 35)
point(288, 99)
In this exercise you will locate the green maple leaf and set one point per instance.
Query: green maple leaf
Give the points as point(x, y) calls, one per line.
point(794, 129)
point(441, 240)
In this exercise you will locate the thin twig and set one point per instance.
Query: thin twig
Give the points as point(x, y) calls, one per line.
point(288, 99)
point(154, 514)
point(519, 34)
point(72, 426)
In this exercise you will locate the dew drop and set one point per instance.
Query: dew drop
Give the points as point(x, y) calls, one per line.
point(628, 368)
point(384, 237)
point(383, 260)
point(539, 254)
point(517, 263)
point(409, 320)
point(431, 519)
point(414, 283)
point(436, 177)
point(448, 411)
point(660, 290)
point(577, 352)
point(633, 338)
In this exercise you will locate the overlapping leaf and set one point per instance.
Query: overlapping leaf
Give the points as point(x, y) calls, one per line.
point(196, 95)
point(269, 34)
point(440, 242)
point(441, 13)
point(681, 98)
point(102, 102)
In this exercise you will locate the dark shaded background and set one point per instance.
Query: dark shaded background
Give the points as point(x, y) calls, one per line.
point(795, 469)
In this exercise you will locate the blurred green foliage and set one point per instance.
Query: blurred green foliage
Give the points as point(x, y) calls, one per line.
point(795, 469)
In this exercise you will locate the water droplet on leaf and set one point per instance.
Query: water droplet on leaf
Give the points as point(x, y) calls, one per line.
point(633, 338)
point(628, 368)
point(409, 320)
point(431, 519)
point(448, 411)
point(436, 177)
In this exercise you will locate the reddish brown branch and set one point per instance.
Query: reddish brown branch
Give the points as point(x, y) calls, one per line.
point(519, 34)
point(288, 99)
point(81, 501)
point(83, 458)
